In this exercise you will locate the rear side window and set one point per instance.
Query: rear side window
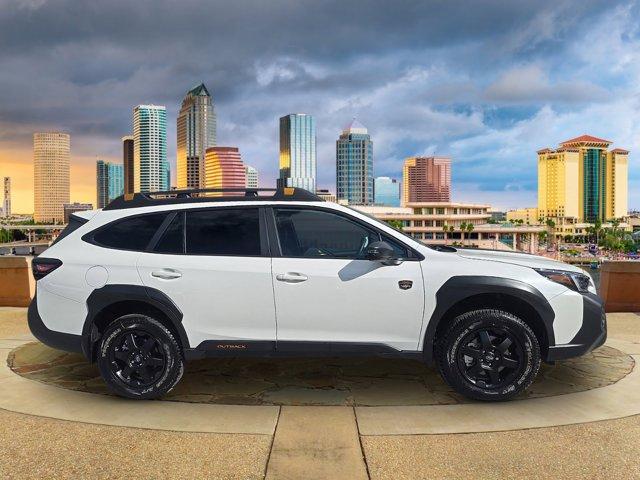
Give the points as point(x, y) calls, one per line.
point(223, 232)
point(133, 233)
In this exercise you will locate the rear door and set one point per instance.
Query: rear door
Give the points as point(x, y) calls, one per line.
point(327, 291)
point(214, 264)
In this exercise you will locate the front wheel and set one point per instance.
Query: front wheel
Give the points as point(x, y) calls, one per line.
point(139, 357)
point(488, 355)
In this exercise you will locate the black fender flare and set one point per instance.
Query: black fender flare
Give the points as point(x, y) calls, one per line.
point(459, 288)
point(102, 298)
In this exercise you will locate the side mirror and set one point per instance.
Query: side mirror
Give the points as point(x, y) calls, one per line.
point(382, 252)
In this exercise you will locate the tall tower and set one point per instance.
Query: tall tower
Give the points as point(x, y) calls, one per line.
point(51, 158)
point(583, 181)
point(127, 163)
point(224, 169)
point(196, 131)
point(109, 182)
point(426, 179)
point(150, 165)
point(7, 197)
point(252, 176)
point(354, 165)
point(298, 151)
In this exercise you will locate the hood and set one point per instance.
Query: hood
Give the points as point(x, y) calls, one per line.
point(514, 258)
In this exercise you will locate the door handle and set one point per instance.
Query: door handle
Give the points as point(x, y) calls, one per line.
point(291, 277)
point(166, 274)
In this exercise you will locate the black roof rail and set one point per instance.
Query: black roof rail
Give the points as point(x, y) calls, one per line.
point(194, 195)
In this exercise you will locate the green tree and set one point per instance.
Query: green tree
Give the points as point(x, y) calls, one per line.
point(470, 228)
point(397, 224)
point(463, 228)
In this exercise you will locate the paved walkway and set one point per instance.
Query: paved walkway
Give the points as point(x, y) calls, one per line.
point(320, 442)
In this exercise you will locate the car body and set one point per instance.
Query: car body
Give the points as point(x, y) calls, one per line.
point(291, 274)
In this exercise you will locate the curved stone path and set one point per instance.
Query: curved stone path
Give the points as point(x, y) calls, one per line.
point(611, 401)
point(325, 381)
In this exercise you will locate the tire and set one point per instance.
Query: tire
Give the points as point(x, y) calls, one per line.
point(488, 355)
point(139, 358)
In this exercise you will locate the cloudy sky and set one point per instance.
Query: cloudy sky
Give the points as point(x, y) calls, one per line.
point(485, 82)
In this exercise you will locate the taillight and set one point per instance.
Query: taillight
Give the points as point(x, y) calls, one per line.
point(41, 267)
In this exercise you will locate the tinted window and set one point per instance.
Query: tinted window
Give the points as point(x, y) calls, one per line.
point(130, 233)
point(313, 233)
point(223, 232)
point(172, 240)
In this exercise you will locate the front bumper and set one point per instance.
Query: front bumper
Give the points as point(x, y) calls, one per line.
point(57, 340)
point(591, 335)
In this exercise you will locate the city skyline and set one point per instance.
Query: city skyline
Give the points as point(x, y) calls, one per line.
point(488, 96)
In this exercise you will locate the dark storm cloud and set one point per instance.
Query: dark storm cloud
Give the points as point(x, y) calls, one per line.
point(419, 74)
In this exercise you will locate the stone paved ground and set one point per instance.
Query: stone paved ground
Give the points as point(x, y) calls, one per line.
point(325, 381)
point(34, 447)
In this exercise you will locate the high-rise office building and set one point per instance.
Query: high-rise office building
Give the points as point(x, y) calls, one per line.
point(387, 192)
point(6, 205)
point(354, 165)
point(109, 182)
point(51, 158)
point(581, 180)
point(252, 176)
point(298, 151)
point(224, 169)
point(196, 131)
point(127, 163)
point(150, 165)
point(426, 179)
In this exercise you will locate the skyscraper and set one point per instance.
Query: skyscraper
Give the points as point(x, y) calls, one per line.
point(298, 151)
point(224, 169)
point(109, 182)
point(196, 131)
point(581, 180)
point(127, 163)
point(354, 165)
point(7, 197)
point(51, 157)
point(426, 179)
point(387, 192)
point(252, 176)
point(150, 165)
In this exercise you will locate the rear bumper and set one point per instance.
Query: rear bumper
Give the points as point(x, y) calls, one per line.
point(57, 340)
point(591, 335)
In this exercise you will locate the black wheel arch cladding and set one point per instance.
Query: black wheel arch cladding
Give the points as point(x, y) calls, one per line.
point(103, 298)
point(460, 288)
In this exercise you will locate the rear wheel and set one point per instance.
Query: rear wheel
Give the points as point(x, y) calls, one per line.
point(139, 357)
point(489, 355)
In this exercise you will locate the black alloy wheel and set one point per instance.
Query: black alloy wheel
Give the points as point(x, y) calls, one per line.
point(488, 355)
point(139, 357)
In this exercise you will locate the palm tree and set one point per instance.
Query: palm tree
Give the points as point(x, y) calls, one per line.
point(463, 228)
point(445, 229)
point(470, 228)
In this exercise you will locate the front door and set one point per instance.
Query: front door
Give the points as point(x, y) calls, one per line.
point(326, 291)
point(213, 264)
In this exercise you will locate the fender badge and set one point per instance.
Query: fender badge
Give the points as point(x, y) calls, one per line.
point(405, 284)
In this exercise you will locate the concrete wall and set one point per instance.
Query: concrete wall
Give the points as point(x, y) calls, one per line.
point(620, 286)
point(17, 285)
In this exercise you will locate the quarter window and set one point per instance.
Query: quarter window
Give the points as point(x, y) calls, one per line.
point(223, 232)
point(130, 233)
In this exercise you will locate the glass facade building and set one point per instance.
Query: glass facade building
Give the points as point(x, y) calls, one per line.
point(387, 192)
point(354, 165)
point(109, 182)
point(127, 162)
point(298, 151)
point(150, 164)
point(196, 131)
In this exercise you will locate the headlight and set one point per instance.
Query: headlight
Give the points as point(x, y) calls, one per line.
point(579, 282)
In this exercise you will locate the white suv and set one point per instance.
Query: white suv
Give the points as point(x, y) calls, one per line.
point(153, 280)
